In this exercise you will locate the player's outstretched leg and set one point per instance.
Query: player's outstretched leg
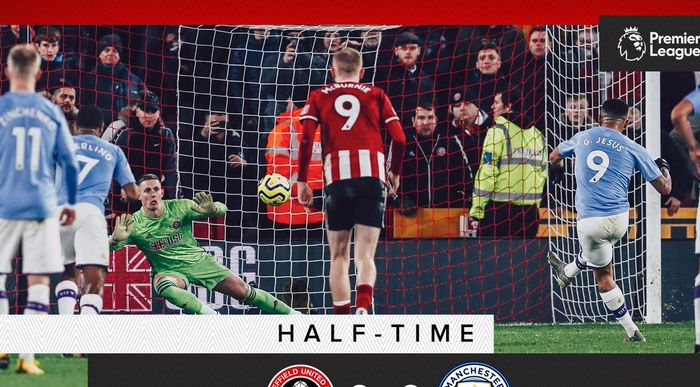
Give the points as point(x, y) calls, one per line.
point(172, 288)
point(266, 302)
point(613, 298)
point(565, 273)
point(366, 239)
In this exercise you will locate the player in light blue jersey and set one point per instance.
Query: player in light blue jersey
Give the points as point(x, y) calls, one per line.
point(680, 115)
point(605, 161)
point(35, 138)
point(85, 244)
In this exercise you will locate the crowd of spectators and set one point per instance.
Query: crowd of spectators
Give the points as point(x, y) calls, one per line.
point(222, 91)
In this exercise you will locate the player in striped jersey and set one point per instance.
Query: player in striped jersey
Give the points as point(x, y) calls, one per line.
point(351, 116)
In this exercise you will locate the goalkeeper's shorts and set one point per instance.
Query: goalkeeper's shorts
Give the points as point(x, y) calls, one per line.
point(355, 201)
point(205, 272)
point(85, 241)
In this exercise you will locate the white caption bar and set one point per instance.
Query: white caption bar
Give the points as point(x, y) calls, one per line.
point(247, 334)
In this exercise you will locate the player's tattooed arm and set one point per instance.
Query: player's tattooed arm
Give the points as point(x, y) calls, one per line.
point(663, 183)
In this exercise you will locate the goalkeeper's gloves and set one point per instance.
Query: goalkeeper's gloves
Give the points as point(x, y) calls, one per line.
point(122, 228)
point(204, 204)
point(661, 163)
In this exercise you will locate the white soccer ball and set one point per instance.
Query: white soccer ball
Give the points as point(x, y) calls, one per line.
point(300, 383)
point(274, 189)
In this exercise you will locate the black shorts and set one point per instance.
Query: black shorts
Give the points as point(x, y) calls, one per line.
point(355, 201)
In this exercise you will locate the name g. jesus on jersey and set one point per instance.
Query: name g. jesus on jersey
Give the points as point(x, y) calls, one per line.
point(606, 141)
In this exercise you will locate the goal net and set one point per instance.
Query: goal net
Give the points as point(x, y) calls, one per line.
point(575, 91)
point(247, 85)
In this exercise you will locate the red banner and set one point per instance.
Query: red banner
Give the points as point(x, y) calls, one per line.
point(128, 284)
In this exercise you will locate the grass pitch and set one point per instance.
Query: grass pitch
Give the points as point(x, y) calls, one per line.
point(60, 372)
point(593, 338)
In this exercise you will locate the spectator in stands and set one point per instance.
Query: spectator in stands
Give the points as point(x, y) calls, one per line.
point(435, 171)
point(486, 79)
point(148, 145)
point(509, 40)
point(283, 158)
point(467, 126)
point(56, 66)
point(368, 43)
point(220, 166)
point(290, 75)
point(9, 37)
point(112, 85)
point(65, 97)
point(327, 44)
point(585, 46)
point(405, 83)
point(576, 117)
point(509, 184)
point(531, 76)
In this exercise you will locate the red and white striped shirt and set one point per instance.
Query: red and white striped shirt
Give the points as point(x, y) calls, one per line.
point(352, 116)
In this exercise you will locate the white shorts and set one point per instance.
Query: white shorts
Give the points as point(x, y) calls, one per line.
point(41, 245)
point(598, 235)
point(85, 242)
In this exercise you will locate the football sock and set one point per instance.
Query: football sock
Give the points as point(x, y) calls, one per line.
point(572, 269)
point(341, 307)
point(696, 303)
point(67, 294)
point(90, 304)
point(4, 303)
point(266, 302)
point(182, 298)
point(37, 303)
point(615, 302)
point(364, 297)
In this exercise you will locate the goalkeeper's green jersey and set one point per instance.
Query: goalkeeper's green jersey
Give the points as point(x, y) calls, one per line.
point(167, 241)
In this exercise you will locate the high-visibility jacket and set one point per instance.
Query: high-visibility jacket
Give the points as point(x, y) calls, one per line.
point(513, 167)
point(283, 157)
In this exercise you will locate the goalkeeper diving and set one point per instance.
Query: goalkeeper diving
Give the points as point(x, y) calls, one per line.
point(162, 230)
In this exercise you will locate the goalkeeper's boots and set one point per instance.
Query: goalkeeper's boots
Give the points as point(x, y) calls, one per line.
point(637, 337)
point(4, 361)
point(29, 368)
point(558, 267)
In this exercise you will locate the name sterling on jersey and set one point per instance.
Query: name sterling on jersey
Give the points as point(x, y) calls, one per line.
point(97, 149)
point(335, 86)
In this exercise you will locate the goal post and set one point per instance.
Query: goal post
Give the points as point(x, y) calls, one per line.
point(576, 90)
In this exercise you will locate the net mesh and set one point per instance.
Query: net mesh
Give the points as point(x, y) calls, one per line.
point(576, 89)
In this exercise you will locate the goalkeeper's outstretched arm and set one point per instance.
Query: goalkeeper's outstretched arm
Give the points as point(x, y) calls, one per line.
point(206, 206)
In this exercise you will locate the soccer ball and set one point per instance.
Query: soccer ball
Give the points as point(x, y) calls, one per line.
point(274, 189)
point(300, 383)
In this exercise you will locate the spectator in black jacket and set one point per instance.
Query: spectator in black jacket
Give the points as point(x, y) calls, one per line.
point(149, 146)
point(112, 85)
point(435, 171)
point(405, 83)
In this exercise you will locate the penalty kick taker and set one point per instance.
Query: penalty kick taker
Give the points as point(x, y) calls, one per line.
point(162, 230)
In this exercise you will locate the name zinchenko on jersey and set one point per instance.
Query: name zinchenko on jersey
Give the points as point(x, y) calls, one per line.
point(335, 86)
point(608, 142)
point(28, 113)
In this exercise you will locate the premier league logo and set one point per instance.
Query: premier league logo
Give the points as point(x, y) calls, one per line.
point(474, 374)
point(631, 45)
